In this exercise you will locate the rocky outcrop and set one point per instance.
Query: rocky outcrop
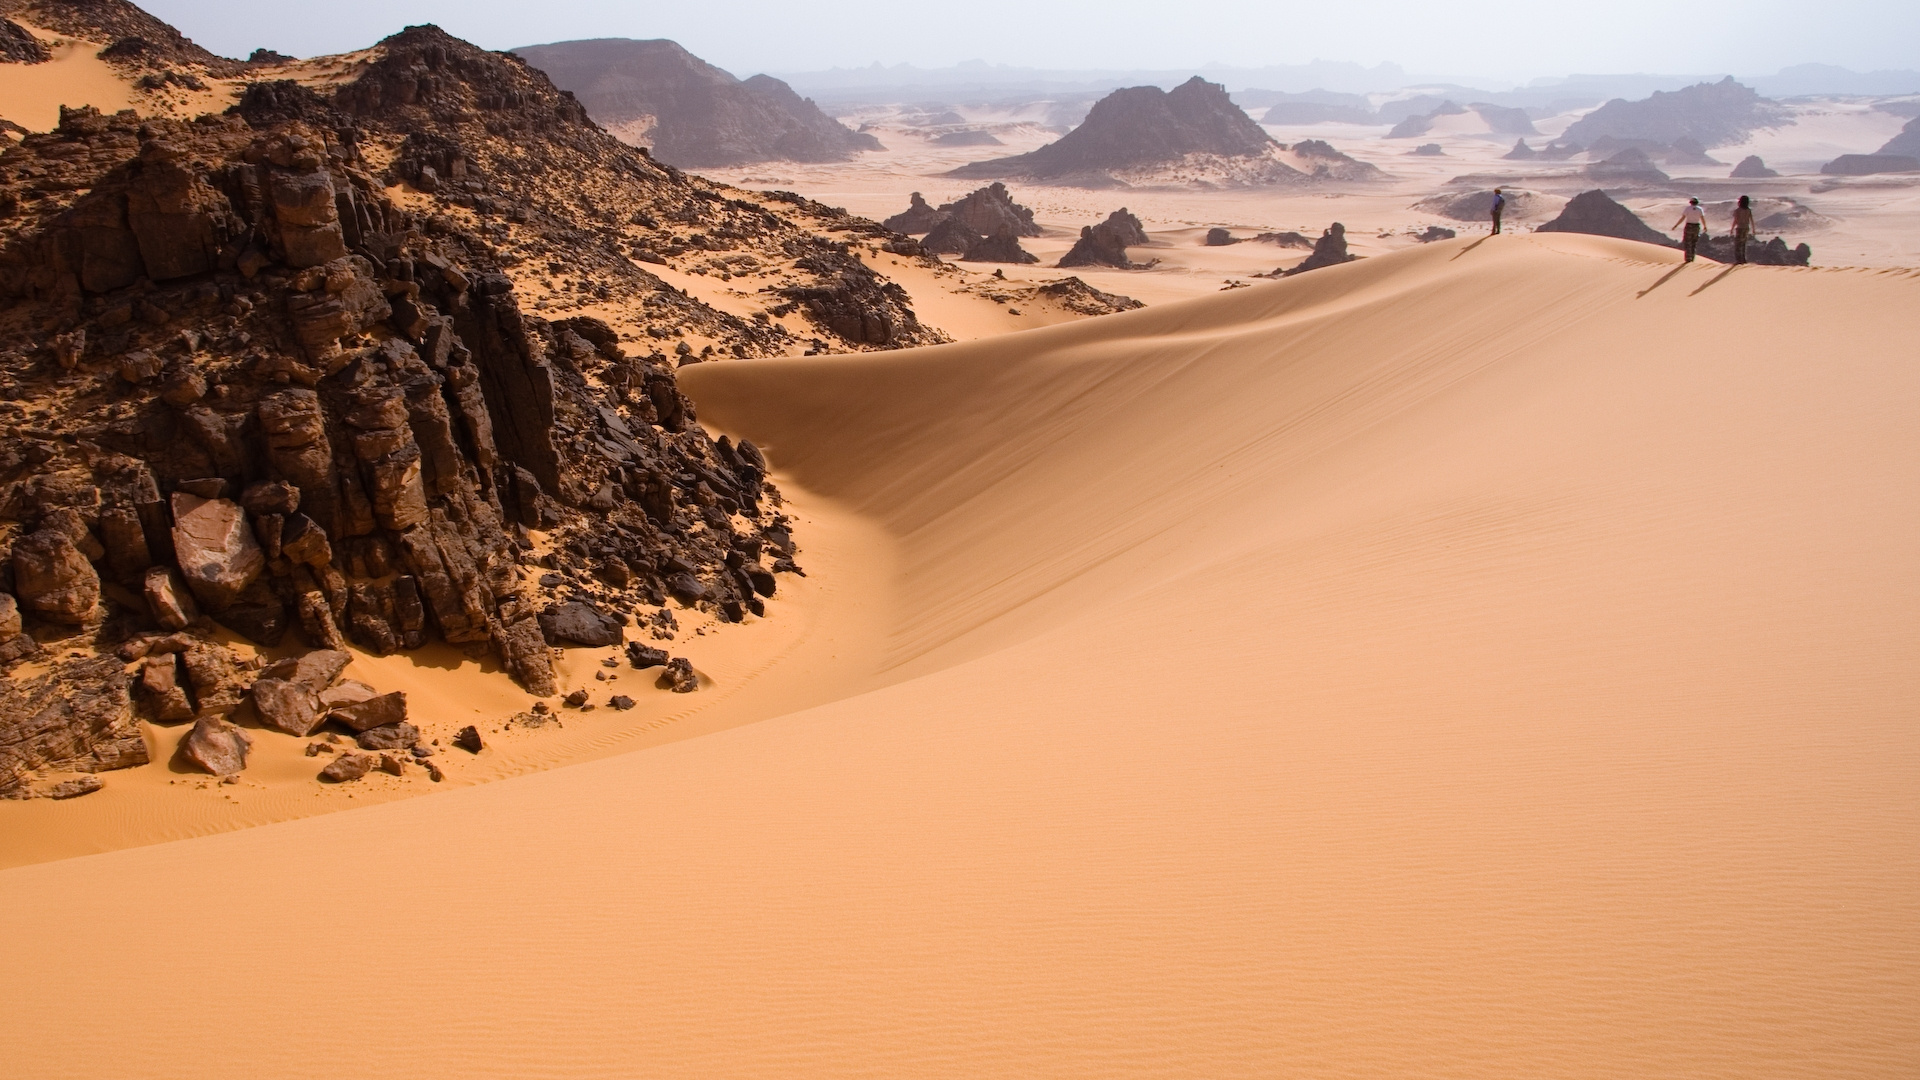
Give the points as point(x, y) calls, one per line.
point(1140, 134)
point(77, 716)
point(19, 46)
point(1330, 250)
point(1774, 252)
point(1629, 166)
point(1001, 247)
point(53, 579)
point(1106, 243)
point(1907, 143)
point(1594, 213)
point(689, 112)
point(917, 218)
point(950, 236)
point(1520, 152)
point(1751, 168)
point(989, 210)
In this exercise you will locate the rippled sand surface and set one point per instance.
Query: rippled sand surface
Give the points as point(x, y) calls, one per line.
point(1496, 659)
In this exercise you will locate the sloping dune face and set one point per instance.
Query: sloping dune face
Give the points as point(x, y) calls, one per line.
point(1491, 660)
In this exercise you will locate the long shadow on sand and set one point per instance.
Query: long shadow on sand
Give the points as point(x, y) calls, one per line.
point(1471, 246)
point(1669, 277)
point(1714, 280)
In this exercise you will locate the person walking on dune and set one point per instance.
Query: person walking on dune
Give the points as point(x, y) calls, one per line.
point(1695, 220)
point(1499, 205)
point(1742, 230)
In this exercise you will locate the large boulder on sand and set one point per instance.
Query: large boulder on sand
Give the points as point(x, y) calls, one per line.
point(373, 712)
point(215, 746)
point(580, 623)
point(287, 706)
point(215, 547)
point(314, 670)
point(52, 579)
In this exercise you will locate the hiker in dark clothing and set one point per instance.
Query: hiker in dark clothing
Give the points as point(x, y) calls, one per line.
point(1742, 230)
point(1499, 204)
point(1695, 219)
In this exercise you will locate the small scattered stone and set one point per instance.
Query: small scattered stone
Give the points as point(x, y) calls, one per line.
point(421, 751)
point(391, 764)
point(434, 773)
point(468, 739)
point(577, 698)
point(621, 702)
point(641, 656)
point(540, 707)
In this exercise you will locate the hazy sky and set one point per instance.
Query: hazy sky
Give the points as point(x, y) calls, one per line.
point(1499, 40)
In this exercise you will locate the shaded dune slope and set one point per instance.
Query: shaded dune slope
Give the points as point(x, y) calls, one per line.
point(1470, 662)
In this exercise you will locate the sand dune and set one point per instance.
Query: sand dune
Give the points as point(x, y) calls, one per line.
point(1491, 659)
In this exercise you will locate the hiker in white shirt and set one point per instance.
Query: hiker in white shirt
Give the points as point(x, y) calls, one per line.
point(1695, 219)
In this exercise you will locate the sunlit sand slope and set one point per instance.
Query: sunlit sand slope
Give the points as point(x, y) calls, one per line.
point(1483, 661)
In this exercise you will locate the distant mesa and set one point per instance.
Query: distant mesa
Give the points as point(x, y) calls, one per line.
point(917, 218)
point(1478, 205)
point(1870, 164)
point(1709, 114)
point(1907, 143)
point(1193, 134)
point(1594, 213)
point(1300, 113)
point(1415, 126)
point(1002, 246)
point(1681, 151)
point(1752, 168)
point(18, 46)
point(1431, 149)
point(1629, 166)
point(1106, 244)
point(966, 138)
point(1329, 250)
point(688, 112)
point(1520, 152)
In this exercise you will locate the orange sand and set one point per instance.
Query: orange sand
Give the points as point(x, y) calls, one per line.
point(1488, 660)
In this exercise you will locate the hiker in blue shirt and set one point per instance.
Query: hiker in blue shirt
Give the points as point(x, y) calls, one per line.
point(1499, 204)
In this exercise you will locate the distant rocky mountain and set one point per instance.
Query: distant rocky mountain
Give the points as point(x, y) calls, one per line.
point(1146, 135)
point(1593, 213)
point(1629, 166)
point(1710, 114)
point(1751, 168)
point(1319, 160)
point(690, 113)
point(1870, 164)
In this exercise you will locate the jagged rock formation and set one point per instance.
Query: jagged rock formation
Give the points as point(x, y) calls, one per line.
point(1711, 114)
point(1870, 164)
point(1907, 143)
point(991, 209)
point(1415, 126)
point(1144, 135)
point(950, 236)
point(1520, 152)
point(1106, 243)
point(917, 218)
point(1629, 166)
point(692, 114)
point(1330, 250)
point(1593, 213)
point(242, 381)
point(1751, 168)
point(1002, 246)
point(18, 46)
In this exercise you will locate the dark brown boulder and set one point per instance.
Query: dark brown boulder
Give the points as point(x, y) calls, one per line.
point(52, 579)
point(468, 739)
point(215, 746)
point(315, 670)
point(580, 623)
point(287, 706)
point(373, 712)
point(165, 699)
point(399, 736)
point(347, 767)
point(642, 656)
point(216, 549)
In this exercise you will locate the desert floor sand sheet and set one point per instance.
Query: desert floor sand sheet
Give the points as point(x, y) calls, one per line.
point(1490, 659)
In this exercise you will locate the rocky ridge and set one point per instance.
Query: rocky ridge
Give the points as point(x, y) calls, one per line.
point(273, 370)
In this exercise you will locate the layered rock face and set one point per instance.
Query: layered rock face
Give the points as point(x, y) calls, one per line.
point(1135, 133)
point(241, 382)
point(689, 112)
